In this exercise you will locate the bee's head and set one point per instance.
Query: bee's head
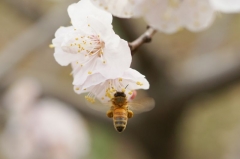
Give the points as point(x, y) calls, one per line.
point(119, 94)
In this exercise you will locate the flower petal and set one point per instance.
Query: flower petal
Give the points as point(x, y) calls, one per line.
point(197, 15)
point(60, 34)
point(227, 6)
point(79, 12)
point(119, 8)
point(118, 58)
point(64, 58)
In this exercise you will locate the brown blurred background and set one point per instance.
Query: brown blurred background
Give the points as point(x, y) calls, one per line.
point(194, 78)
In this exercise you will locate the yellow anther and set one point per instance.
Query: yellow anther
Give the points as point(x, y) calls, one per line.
point(139, 83)
point(76, 39)
point(120, 79)
point(77, 88)
point(130, 93)
point(51, 46)
point(89, 72)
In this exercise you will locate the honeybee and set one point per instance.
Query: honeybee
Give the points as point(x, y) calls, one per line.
point(121, 110)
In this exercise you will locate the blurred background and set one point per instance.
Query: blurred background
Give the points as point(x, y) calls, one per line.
point(194, 78)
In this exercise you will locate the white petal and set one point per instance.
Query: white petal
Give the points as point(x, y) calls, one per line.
point(228, 6)
point(79, 12)
point(197, 15)
point(82, 72)
point(119, 8)
point(63, 31)
point(94, 79)
point(118, 59)
point(136, 80)
point(132, 74)
point(64, 58)
point(84, 79)
point(60, 34)
point(97, 27)
point(164, 17)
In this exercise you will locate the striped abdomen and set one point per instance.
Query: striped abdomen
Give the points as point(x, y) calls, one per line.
point(120, 119)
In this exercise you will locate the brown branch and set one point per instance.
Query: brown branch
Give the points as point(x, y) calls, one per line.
point(146, 37)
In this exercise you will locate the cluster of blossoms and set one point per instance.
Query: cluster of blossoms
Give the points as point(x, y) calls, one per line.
point(171, 15)
point(100, 59)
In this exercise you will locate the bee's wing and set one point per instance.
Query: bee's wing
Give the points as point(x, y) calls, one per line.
point(142, 105)
point(98, 106)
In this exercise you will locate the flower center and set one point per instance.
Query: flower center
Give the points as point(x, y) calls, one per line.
point(89, 45)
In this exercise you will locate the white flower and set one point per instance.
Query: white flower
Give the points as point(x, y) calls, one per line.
point(171, 15)
point(91, 44)
point(168, 15)
point(227, 6)
point(104, 89)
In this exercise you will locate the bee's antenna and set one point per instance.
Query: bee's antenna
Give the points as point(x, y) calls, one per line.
point(126, 86)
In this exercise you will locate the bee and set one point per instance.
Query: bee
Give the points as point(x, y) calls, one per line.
point(121, 109)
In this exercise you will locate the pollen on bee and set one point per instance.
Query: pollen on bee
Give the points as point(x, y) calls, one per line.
point(89, 72)
point(51, 46)
point(139, 83)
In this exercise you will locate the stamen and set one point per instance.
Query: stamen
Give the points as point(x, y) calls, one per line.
point(51, 46)
point(139, 83)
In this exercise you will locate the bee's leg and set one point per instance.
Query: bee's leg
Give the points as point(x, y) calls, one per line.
point(130, 114)
point(110, 113)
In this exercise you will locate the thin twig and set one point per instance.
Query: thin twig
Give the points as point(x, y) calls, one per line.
point(146, 37)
